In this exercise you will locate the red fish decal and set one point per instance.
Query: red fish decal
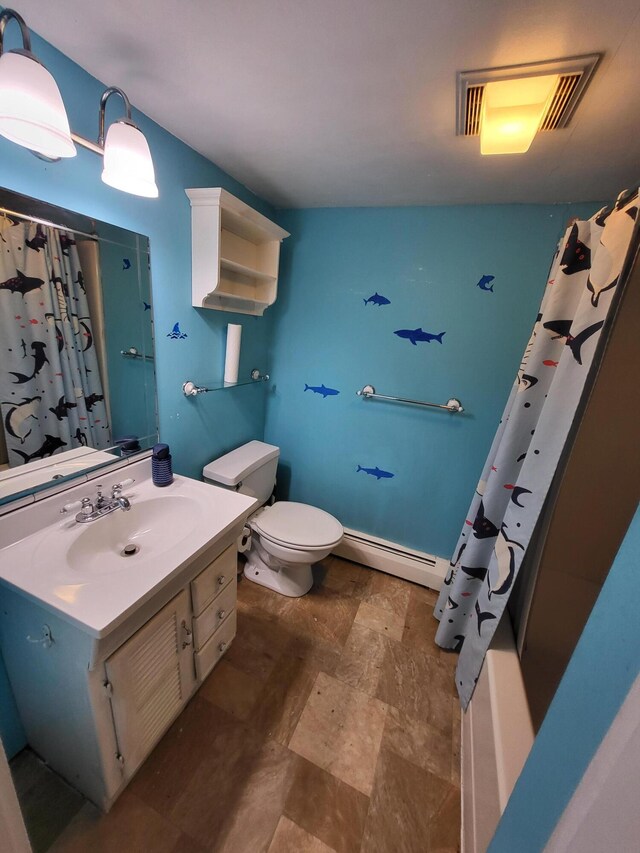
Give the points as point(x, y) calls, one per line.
point(493, 468)
point(470, 523)
point(509, 486)
point(550, 363)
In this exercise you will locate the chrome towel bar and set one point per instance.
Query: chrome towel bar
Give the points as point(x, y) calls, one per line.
point(133, 352)
point(369, 393)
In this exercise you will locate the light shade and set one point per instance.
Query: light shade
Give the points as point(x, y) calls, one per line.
point(127, 161)
point(512, 111)
point(31, 109)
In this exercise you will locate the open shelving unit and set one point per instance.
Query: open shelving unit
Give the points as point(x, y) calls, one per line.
point(235, 253)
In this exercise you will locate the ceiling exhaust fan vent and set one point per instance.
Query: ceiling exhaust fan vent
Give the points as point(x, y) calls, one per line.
point(574, 75)
point(560, 102)
point(473, 110)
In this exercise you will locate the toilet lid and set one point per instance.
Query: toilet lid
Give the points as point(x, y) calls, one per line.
point(291, 523)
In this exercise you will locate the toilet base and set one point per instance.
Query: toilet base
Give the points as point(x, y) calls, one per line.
point(292, 581)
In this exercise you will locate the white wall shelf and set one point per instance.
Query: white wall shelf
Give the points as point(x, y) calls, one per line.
point(235, 253)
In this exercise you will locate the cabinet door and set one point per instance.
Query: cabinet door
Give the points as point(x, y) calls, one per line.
point(151, 678)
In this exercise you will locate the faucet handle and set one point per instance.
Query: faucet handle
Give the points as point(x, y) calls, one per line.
point(87, 506)
point(118, 488)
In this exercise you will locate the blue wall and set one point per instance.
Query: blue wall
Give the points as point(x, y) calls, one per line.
point(428, 262)
point(600, 673)
point(198, 429)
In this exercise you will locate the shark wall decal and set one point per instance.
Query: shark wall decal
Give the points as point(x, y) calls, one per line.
point(376, 472)
point(376, 299)
point(485, 281)
point(322, 389)
point(415, 335)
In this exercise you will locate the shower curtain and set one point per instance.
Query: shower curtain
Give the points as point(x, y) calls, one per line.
point(531, 436)
point(51, 396)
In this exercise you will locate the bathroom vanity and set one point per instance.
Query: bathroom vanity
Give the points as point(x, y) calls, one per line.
point(109, 627)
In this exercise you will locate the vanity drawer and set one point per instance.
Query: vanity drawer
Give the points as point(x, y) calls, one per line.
point(214, 615)
point(213, 579)
point(215, 647)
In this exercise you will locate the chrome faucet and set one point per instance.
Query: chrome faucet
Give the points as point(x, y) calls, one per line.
point(91, 510)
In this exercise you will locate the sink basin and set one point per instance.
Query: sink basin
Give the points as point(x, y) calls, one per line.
point(121, 541)
point(83, 572)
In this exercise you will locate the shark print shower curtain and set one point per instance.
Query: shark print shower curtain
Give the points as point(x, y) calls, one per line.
point(581, 288)
point(51, 395)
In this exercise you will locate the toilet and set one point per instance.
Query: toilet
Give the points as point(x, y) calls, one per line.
point(287, 538)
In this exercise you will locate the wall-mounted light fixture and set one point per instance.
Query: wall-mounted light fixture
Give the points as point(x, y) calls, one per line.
point(508, 106)
point(32, 114)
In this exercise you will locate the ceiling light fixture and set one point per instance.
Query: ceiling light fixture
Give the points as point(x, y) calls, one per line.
point(507, 106)
point(32, 114)
point(512, 111)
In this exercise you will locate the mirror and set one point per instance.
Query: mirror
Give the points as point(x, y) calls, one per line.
point(77, 374)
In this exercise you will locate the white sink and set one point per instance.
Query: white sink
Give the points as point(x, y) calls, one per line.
point(80, 570)
point(147, 531)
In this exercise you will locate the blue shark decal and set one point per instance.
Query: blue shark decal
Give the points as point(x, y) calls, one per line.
point(175, 334)
point(415, 335)
point(376, 299)
point(484, 282)
point(126, 264)
point(376, 472)
point(321, 389)
point(147, 307)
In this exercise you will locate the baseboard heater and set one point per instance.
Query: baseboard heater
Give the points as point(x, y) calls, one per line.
point(394, 559)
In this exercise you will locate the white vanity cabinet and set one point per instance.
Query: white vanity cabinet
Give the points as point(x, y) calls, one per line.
point(149, 679)
point(94, 708)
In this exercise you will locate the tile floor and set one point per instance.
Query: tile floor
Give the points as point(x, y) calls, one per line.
point(330, 726)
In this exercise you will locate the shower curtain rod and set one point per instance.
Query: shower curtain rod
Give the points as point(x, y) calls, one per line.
point(5, 211)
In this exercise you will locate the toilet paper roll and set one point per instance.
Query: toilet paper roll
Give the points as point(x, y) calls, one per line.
point(232, 358)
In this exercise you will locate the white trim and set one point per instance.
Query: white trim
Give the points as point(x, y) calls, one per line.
point(603, 811)
point(497, 735)
point(394, 559)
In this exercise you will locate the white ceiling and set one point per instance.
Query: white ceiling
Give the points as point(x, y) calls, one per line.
point(324, 103)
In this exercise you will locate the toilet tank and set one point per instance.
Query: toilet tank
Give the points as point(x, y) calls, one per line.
point(249, 469)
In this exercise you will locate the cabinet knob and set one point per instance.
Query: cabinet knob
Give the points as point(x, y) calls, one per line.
point(222, 614)
point(221, 580)
point(222, 647)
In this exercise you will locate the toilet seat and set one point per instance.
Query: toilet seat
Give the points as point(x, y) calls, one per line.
point(298, 526)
